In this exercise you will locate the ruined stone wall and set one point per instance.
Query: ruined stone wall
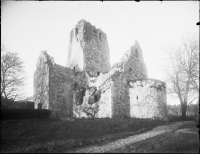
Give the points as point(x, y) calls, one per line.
point(96, 50)
point(97, 98)
point(75, 47)
point(148, 99)
point(54, 86)
point(132, 64)
point(135, 68)
point(120, 98)
point(63, 85)
point(113, 87)
point(61, 91)
point(41, 81)
point(95, 104)
point(88, 49)
point(88, 87)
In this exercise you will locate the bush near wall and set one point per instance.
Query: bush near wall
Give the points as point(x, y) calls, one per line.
point(8, 114)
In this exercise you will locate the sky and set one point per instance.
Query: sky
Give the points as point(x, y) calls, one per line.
point(28, 27)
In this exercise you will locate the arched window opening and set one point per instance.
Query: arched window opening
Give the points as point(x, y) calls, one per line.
point(99, 36)
point(130, 69)
point(98, 73)
point(74, 70)
point(136, 53)
point(137, 97)
point(76, 32)
point(39, 106)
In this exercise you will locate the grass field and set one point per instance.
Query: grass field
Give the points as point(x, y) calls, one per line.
point(54, 135)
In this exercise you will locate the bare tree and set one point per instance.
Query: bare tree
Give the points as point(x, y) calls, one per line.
point(12, 76)
point(183, 71)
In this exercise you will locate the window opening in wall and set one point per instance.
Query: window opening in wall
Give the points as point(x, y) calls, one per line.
point(137, 96)
point(98, 73)
point(130, 69)
point(74, 70)
point(94, 32)
point(39, 106)
point(100, 36)
point(76, 32)
point(136, 53)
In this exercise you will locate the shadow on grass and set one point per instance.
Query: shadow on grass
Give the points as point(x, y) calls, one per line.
point(54, 135)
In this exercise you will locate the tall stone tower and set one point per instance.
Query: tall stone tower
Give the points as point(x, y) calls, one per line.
point(88, 49)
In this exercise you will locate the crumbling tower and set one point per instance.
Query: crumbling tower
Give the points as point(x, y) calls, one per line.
point(88, 50)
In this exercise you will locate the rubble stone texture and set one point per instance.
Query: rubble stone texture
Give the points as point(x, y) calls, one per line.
point(148, 99)
point(88, 49)
point(89, 88)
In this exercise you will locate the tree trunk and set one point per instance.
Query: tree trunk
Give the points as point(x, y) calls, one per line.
point(197, 118)
point(183, 109)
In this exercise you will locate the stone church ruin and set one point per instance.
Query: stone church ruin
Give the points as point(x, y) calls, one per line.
point(90, 87)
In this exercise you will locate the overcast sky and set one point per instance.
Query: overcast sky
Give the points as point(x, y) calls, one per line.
point(27, 27)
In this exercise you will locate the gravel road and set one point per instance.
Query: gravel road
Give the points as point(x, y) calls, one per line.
point(131, 139)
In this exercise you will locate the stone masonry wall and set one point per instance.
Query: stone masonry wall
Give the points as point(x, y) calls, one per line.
point(61, 91)
point(75, 48)
point(88, 87)
point(54, 86)
point(132, 64)
point(96, 50)
point(120, 98)
point(41, 81)
point(63, 84)
point(113, 87)
point(88, 49)
point(148, 99)
point(130, 67)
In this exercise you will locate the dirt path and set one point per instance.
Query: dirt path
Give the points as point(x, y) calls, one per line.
point(131, 139)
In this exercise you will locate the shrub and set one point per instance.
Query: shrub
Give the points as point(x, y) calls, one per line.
point(24, 114)
point(5, 102)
